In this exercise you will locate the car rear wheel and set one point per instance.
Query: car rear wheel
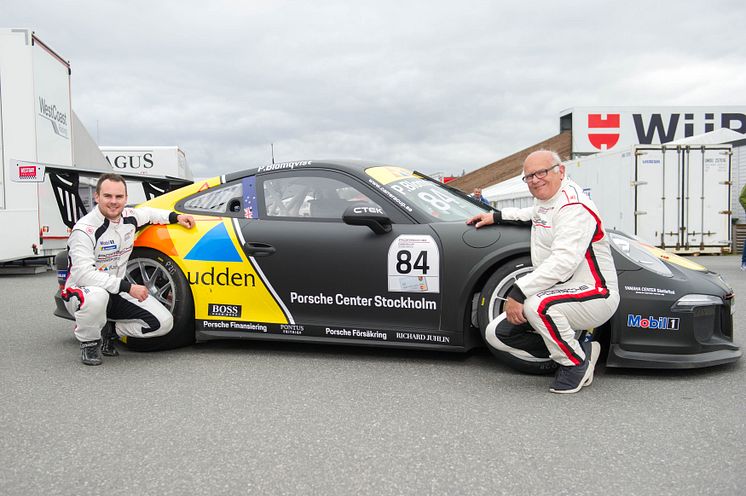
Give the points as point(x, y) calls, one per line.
point(166, 283)
point(491, 303)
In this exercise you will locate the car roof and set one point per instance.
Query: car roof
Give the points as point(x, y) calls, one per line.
point(354, 167)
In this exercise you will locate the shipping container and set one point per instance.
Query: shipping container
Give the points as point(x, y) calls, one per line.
point(676, 197)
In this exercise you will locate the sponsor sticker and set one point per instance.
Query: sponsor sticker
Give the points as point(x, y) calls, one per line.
point(643, 290)
point(26, 172)
point(355, 333)
point(221, 277)
point(377, 301)
point(422, 337)
point(651, 322)
point(291, 329)
point(223, 310)
point(333, 331)
point(234, 326)
point(388, 174)
point(107, 245)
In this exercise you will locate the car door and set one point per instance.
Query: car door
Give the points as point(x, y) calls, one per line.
point(336, 277)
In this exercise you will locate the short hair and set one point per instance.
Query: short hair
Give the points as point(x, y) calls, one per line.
point(110, 176)
point(555, 156)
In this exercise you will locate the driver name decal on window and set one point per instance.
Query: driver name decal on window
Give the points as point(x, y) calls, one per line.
point(414, 265)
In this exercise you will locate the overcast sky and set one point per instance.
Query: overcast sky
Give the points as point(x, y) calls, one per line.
point(439, 86)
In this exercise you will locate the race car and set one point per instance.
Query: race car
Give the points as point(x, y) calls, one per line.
point(378, 255)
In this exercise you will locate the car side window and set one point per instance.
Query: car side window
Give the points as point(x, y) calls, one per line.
point(224, 200)
point(316, 197)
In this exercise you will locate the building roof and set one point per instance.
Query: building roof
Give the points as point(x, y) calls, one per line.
point(512, 165)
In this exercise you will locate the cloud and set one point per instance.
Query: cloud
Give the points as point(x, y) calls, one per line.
point(440, 86)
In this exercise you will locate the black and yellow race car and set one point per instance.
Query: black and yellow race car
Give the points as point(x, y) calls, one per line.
point(378, 255)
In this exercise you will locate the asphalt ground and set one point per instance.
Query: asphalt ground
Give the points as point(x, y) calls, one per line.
point(274, 418)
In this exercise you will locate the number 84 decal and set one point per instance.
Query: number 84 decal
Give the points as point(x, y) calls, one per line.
point(414, 265)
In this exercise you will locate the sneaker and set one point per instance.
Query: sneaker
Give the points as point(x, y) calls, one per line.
point(743, 266)
point(570, 379)
point(90, 352)
point(108, 338)
point(595, 352)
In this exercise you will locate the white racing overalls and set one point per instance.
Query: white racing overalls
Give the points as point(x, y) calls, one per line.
point(95, 288)
point(574, 282)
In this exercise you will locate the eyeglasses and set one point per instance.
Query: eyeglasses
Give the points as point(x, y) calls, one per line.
point(539, 174)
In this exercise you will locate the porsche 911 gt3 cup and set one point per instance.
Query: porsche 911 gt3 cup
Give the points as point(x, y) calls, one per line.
point(378, 255)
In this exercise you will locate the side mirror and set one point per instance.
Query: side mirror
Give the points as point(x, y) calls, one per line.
point(370, 215)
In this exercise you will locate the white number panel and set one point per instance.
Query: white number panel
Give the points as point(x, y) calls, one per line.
point(414, 265)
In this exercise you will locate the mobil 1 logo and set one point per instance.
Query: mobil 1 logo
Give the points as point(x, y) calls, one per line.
point(223, 310)
point(414, 264)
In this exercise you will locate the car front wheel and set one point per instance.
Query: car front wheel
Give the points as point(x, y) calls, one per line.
point(491, 303)
point(166, 283)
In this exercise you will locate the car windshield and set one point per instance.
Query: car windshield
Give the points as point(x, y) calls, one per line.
point(432, 199)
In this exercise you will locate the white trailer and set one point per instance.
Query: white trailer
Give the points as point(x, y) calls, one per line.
point(676, 197)
point(49, 164)
point(737, 140)
point(35, 129)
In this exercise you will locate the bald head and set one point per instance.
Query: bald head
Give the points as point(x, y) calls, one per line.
point(544, 158)
point(544, 163)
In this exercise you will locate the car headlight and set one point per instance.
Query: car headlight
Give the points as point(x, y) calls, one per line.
point(691, 301)
point(636, 252)
point(730, 299)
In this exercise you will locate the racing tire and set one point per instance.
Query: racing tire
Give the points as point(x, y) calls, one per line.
point(167, 283)
point(491, 302)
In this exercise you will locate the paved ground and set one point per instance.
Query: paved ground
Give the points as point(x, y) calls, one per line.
point(240, 418)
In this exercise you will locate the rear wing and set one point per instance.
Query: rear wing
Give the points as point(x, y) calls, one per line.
point(65, 184)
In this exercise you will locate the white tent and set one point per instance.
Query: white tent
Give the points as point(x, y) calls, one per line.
point(511, 193)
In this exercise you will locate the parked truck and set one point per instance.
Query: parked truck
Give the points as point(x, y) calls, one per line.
point(49, 164)
point(35, 133)
point(676, 197)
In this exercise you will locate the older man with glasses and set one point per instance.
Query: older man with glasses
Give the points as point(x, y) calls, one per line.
point(573, 286)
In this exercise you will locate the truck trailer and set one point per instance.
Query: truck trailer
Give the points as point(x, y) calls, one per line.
point(35, 132)
point(674, 196)
point(49, 164)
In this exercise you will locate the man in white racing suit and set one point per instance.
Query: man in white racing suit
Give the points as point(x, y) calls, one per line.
point(574, 283)
point(96, 289)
